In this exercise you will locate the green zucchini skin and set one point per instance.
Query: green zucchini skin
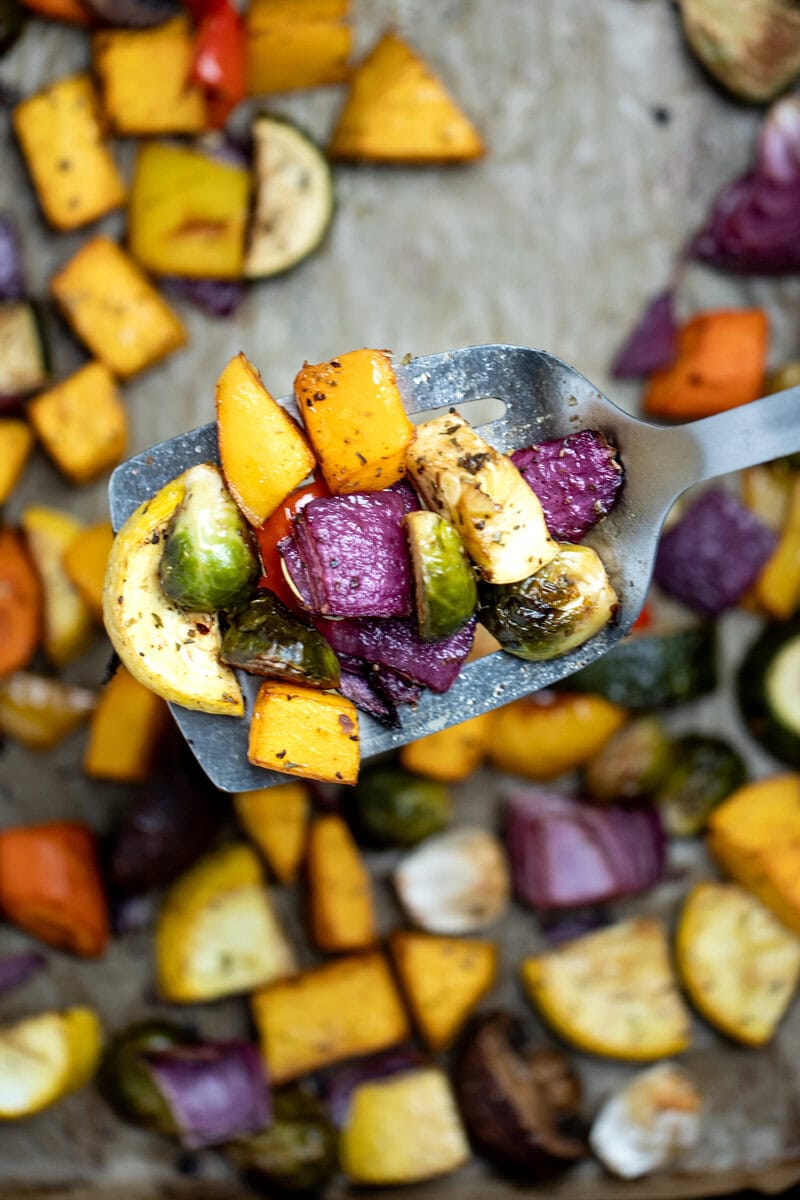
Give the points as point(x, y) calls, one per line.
point(703, 772)
point(770, 710)
point(653, 670)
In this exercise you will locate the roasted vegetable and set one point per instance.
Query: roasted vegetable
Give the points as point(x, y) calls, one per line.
point(72, 12)
point(39, 712)
point(612, 992)
point(564, 604)
point(577, 480)
point(398, 111)
point(777, 588)
point(188, 213)
point(16, 969)
point(702, 772)
point(82, 423)
point(304, 732)
point(61, 135)
point(546, 734)
point(20, 604)
point(137, 14)
point(297, 1153)
point(652, 344)
point(12, 23)
point(144, 79)
point(276, 819)
point(403, 1129)
point(445, 590)
point(16, 443)
point(519, 1104)
point(340, 1010)
point(739, 965)
point(752, 47)
point(455, 882)
point(647, 1123)
point(127, 1083)
point(462, 477)
point(361, 683)
point(397, 645)
point(126, 728)
point(395, 808)
point(45, 1057)
point(452, 754)
point(218, 933)
point(768, 699)
point(651, 670)
point(296, 44)
point(443, 979)
point(294, 198)
point(355, 419)
point(85, 561)
point(340, 904)
point(68, 625)
point(175, 654)
point(631, 765)
point(115, 310)
point(24, 362)
point(50, 886)
point(266, 638)
point(208, 560)
point(219, 58)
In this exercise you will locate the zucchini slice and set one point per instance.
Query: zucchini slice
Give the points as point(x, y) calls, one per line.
point(768, 687)
point(294, 198)
point(24, 364)
point(653, 670)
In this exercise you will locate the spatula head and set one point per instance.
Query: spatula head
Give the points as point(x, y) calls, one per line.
point(539, 397)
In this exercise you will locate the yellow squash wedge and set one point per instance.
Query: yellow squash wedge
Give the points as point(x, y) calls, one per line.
point(68, 625)
point(546, 734)
point(452, 754)
point(45, 1057)
point(276, 819)
point(443, 979)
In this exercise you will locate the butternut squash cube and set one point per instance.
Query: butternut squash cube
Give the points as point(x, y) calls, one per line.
point(546, 734)
point(276, 819)
point(115, 310)
point(188, 213)
point(398, 111)
point(304, 732)
point(125, 731)
point(353, 414)
point(452, 754)
point(68, 625)
point(293, 44)
point(85, 561)
point(443, 979)
point(61, 137)
point(341, 910)
point(82, 423)
point(264, 455)
point(343, 1009)
point(144, 79)
point(16, 443)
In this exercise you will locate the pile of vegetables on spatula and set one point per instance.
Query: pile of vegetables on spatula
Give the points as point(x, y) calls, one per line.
point(370, 579)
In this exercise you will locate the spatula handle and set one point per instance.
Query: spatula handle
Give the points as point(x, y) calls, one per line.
point(745, 436)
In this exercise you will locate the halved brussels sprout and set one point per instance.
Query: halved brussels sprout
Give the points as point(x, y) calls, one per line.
point(560, 607)
point(266, 638)
point(396, 808)
point(445, 590)
point(298, 1151)
point(703, 771)
point(208, 562)
point(631, 765)
point(127, 1083)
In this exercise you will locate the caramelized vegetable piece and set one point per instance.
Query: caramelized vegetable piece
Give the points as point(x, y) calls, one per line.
point(355, 419)
point(612, 992)
point(343, 1009)
point(115, 310)
point(144, 79)
point(266, 638)
point(576, 478)
point(455, 882)
point(125, 1079)
point(398, 111)
point(304, 732)
point(85, 561)
point(549, 733)
point(68, 625)
point(16, 443)
point(45, 1057)
point(264, 455)
point(82, 423)
point(443, 979)
point(631, 765)
point(276, 819)
point(452, 754)
point(61, 136)
point(445, 589)
point(20, 604)
point(174, 653)
point(721, 364)
point(403, 1129)
point(341, 910)
point(648, 1122)
point(752, 49)
point(296, 44)
point(40, 712)
point(217, 933)
point(188, 213)
point(702, 772)
point(50, 886)
point(72, 12)
point(125, 731)
point(297, 1153)
point(395, 808)
point(739, 965)
point(777, 589)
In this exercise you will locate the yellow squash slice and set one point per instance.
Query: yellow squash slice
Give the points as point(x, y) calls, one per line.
point(42, 1058)
point(443, 979)
point(68, 626)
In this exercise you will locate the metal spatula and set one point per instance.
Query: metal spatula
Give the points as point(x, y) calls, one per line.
point(517, 396)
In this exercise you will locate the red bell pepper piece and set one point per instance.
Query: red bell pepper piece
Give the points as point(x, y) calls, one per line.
point(275, 528)
point(643, 621)
point(219, 56)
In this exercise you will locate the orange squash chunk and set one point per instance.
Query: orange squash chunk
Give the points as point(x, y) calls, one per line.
point(82, 423)
point(125, 731)
point(443, 979)
point(398, 111)
point(21, 604)
point(452, 754)
point(353, 414)
point(276, 819)
point(341, 911)
point(549, 733)
point(303, 732)
point(293, 44)
point(85, 560)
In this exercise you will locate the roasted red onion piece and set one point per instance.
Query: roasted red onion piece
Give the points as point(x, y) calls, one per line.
point(396, 644)
point(344, 1082)
point(652, 344)
point(15, 969)
point(12, 283)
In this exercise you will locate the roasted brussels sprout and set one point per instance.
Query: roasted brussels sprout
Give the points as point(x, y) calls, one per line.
point(560, 607)
point(208, 562)
point(126, 1081)
point(396, 808)
point(703, 771)
point(519, 1104)
point(266, 638)
point(445, 590)
point(297, 1153)
point(631, 765)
